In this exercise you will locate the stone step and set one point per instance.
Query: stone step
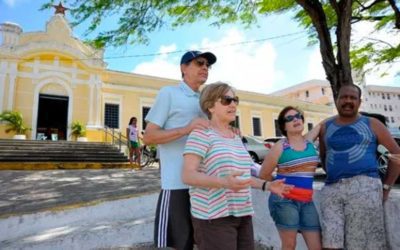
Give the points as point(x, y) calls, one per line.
point(48, 142)
point(64, 165)
point(64, 159)
point(58, 151)
point(43, 145)
point(61, 153)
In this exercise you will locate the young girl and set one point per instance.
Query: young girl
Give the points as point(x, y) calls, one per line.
point(133, 134)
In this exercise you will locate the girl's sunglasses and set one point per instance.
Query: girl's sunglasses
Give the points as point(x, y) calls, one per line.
point(290, 118)
point(227, 100)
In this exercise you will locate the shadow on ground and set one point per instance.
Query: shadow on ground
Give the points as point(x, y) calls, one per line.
point(33, 191)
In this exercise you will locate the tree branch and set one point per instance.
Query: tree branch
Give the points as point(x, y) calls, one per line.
point(380, 41)
point(364, 8)
point(368, 18)
point(396, 12)
point(335, 6)
point(316, 12)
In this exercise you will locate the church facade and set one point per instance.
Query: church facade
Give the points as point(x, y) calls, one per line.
point(54, 79)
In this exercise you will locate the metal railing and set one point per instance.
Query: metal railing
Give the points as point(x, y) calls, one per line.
point(117, 138)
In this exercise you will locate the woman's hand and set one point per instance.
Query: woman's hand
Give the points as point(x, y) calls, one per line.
point(279, 187)
point(235, 182)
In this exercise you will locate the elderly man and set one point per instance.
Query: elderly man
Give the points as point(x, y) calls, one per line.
point(175, 114)
point(351, 200)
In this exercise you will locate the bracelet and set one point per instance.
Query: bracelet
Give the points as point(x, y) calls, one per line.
point(265, 184)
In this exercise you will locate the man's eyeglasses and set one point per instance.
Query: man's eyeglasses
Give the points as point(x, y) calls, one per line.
point(201, 63)
point(227, 100)
point(290, 118)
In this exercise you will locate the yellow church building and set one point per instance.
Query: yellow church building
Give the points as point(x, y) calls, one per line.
point(54, 79)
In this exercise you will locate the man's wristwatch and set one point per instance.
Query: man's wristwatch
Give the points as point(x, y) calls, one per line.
point(386, 187)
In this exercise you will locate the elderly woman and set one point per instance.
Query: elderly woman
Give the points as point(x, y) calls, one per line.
point(217, 167)
point(296, 160)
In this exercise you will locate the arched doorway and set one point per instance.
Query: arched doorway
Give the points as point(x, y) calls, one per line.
point(52, 121)
point(53, 101)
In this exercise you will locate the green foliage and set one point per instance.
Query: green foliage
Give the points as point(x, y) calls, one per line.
point(14, 122)
point(78, 129)
point(136, 19)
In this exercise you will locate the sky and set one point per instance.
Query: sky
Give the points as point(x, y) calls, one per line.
point(270, 56)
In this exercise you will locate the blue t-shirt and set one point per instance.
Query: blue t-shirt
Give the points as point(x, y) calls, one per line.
point(350, 150)
point(175, 106)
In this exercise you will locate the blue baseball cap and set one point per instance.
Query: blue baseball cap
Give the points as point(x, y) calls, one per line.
point(190, 55)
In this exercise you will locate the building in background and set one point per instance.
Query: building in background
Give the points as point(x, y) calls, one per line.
point(54, 79)
point(313, 91)
point(384, 100)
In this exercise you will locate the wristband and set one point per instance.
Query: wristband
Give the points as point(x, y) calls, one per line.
point(264, 185)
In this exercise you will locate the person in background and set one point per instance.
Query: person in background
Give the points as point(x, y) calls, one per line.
point(217, 168)
point(132, 133)
point(351, 200)
point(296, 160)
point(175, 113)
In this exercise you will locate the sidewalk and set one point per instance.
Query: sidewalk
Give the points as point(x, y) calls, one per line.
point(25, 192)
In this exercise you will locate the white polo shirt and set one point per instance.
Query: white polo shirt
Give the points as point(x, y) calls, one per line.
point(175, 106)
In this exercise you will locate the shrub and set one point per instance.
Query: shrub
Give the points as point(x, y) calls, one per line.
point(14, 121)
point(78, 129)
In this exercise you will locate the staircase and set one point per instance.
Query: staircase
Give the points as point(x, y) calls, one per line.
point(59, 151)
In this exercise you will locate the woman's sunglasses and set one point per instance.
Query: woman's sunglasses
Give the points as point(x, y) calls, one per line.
point(227, 100)
point(290, 118)
point(200, 63)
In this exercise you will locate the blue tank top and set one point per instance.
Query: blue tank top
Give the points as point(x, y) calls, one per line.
point(350, 150)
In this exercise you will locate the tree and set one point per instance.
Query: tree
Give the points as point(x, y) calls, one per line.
point(322, 19)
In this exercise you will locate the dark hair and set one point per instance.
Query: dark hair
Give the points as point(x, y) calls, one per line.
point(353, 86)
point(132, 118)
point(281, 118)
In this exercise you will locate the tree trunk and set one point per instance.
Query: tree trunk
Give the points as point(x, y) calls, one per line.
point(337, 70)
point(343, 33)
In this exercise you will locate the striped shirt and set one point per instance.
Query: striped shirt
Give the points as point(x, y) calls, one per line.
point(298, 168)
point(220, 156)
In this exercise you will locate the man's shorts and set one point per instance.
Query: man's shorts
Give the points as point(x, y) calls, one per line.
point(352, 214)
point(173, 224)
point(134, 144)
point(293, 215)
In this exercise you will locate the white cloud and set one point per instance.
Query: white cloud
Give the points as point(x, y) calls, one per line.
point(10, 3)
point(164, 65)
point(364, 32)
point(247, 66)
point(13, 3)
point(315, 70)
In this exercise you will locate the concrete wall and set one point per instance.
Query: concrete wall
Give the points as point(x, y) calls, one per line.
point(129, 222)
point(266, 233)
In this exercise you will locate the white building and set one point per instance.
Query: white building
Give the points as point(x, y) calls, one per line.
point(383, 100)
point(314, 91)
